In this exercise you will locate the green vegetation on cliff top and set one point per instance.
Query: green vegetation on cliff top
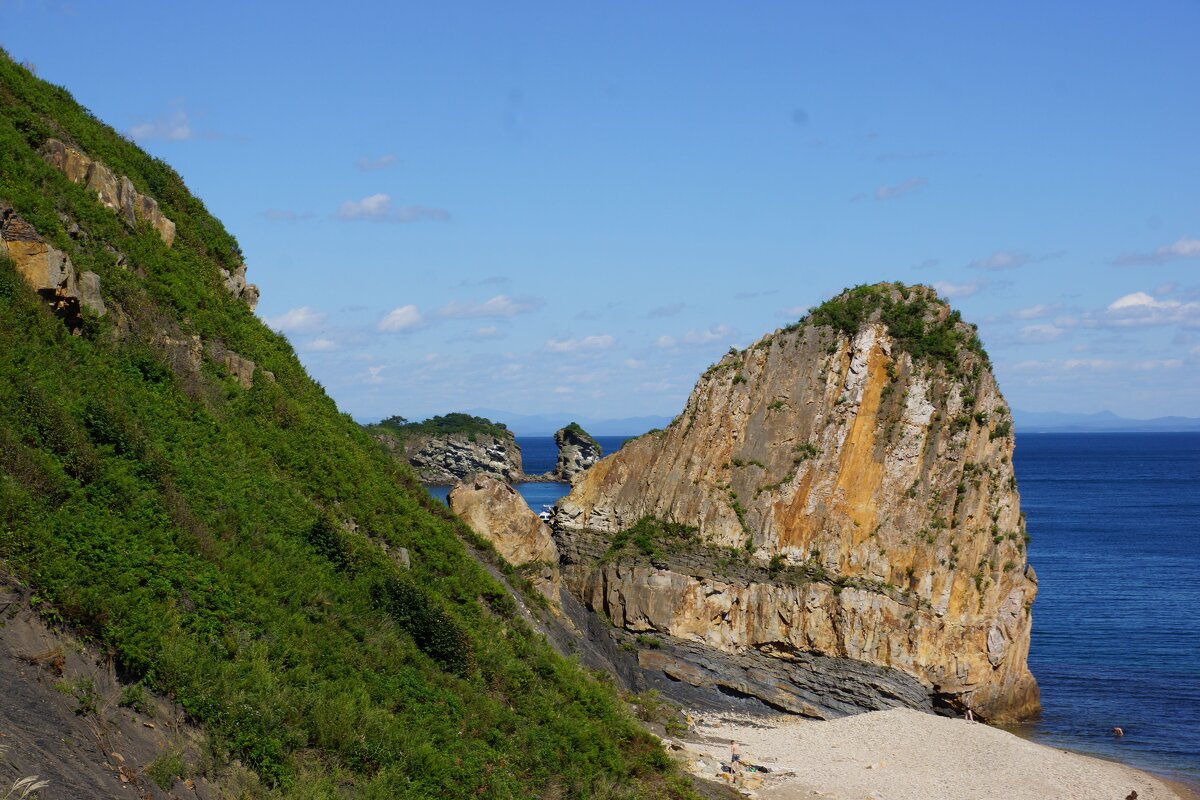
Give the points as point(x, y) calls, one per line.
point(918, 321)
point(445, 425)
point(575, 429)
point(224, 544)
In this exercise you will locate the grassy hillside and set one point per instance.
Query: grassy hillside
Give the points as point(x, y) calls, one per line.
point(224, 544)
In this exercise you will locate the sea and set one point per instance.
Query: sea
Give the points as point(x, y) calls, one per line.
point(1115, 526)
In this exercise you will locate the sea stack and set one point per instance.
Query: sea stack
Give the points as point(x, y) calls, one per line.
point(831, 525)
point(577, 452)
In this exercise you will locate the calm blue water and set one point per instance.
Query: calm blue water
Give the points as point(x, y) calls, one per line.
point(1115, 521)
point(538, 454)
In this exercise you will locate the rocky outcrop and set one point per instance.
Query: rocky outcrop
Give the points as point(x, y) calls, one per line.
point(114, 191)
point(850, 486)
point(577, 451)
point(235, 284)
point(240, 369)
point(446, 459)
point(498, 513)
point(49, 271)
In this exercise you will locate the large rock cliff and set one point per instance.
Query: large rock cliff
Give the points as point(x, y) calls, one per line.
point(444, 450)
point(444, 459)
point(840, 498)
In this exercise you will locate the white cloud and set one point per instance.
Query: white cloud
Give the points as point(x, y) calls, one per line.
point(1091, 364)
point(501, 306)
point(1007, 259)
point(1106, 365)
point(633, 363)
point(563, 390)
point(174, 127)
point(1141, 310)
point(297, 320)
point(665, 311)
point(379, 208)
point(374, 376)
point(488, 332)
point(320, 345)
point(955, 291)
point(903, 188)
point(1035, 312)
point(714, 334)
point(376, 164)
point(1001, 260)
point(1040, 333)
point(1181, 248)
point(404, 318)
point(695, 338)
point(597, 342)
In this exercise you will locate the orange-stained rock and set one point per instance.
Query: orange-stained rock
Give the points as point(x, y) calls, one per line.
point(842, 454)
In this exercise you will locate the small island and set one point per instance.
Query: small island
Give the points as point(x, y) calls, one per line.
point(445, 449)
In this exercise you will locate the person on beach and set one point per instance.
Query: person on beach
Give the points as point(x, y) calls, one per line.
point(735, 755)
point(970, 717)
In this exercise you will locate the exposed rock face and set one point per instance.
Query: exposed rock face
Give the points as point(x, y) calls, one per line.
point(242, 369)
point(577, 451)
point(449, 458)
point(49, 271)
point(873, 493)
point(114, 191)
point(498, 513)
point(235, 284)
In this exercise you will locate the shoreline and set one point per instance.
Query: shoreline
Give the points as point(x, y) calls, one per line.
point(901, 754)
point(1185, 787)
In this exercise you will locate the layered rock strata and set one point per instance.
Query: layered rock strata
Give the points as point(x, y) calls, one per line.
point(861, 462)
point(577, 452)
point(113, 191)
point(49, 271)
point(445, 459)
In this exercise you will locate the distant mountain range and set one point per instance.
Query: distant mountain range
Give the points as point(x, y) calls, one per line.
point(1100, 422)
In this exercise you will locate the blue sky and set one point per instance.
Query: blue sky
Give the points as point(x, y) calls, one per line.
point(547, 207)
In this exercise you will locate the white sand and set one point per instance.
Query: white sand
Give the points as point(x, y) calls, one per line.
point(906, 755)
